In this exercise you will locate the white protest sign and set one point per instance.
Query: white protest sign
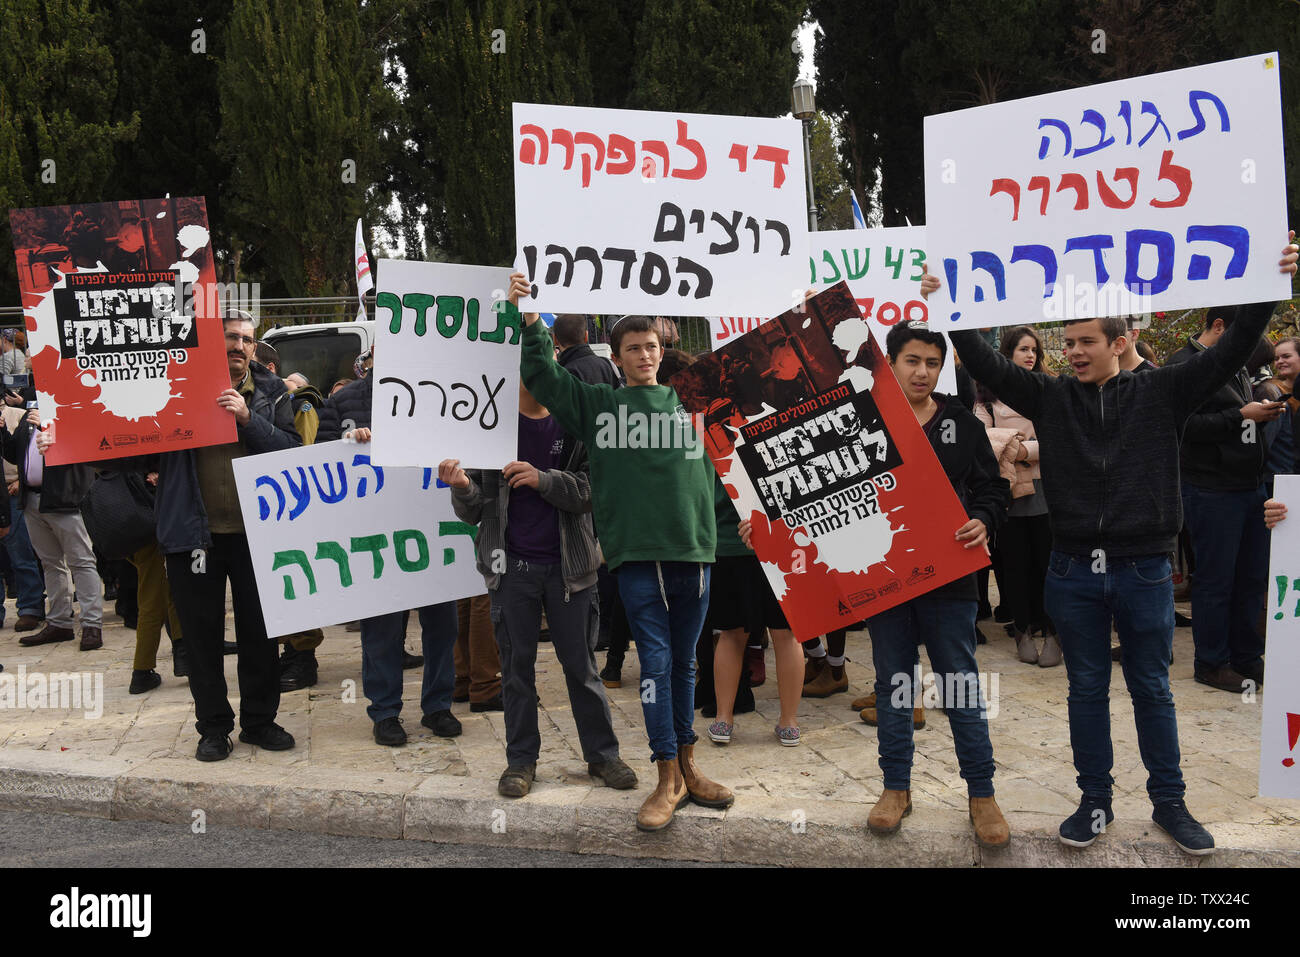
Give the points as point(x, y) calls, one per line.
point(1279, 756)
point(1160, 192)
point(669, 214)
point(446, 366)
point(335, 538)
point(722, 329)
point(883, 268)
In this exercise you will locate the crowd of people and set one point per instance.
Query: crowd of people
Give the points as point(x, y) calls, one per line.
point(1087, 487)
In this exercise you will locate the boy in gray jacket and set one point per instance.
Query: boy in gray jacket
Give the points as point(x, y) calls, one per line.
point(536, 550)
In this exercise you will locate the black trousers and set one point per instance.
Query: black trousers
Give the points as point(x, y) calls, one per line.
point(1025, 544)
point(198, 586)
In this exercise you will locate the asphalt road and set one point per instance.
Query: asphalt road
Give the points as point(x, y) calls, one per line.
point(65, 840)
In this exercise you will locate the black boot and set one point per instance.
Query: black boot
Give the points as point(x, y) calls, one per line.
point(297, 669)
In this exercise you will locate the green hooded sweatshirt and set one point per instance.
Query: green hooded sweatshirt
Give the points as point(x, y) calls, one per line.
point(651, 483)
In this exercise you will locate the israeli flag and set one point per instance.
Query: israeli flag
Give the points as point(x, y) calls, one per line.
point(858, 221)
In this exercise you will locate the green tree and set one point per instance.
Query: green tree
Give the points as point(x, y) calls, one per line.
point(56, 94)
point(699, 56)
point(834, 209)
point(465, 64)
point(299, 89)
point(168, 56)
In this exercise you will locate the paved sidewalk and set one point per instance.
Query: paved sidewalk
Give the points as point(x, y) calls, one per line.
point(805, 805)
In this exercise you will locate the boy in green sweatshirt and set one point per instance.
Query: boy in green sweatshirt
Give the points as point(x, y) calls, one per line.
point(653, 503)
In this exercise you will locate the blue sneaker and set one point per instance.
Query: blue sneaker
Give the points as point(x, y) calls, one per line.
point(1174, 818)
point(1082, 827)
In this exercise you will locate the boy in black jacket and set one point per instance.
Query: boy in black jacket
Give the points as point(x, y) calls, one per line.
point(1108, 445)
point(945, 617)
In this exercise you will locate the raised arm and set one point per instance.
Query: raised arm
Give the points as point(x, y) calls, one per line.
point(1015, 385)
point(574, 403)
point(1189, 384)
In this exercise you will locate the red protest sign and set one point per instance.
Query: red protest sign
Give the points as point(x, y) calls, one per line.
point(820, 450)
point(124, 329)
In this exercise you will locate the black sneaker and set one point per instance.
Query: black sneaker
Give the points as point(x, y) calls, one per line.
point(442, 723)
point(297, 669)
point(214, 747)
point(1081, 828)
point(269, 737)
point(516, 781)
point(142, 681)
point(180, 659)
point(1174, 818)
point(390, 733)
point(491, 704)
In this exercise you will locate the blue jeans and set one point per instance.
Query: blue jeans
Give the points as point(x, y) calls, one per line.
point(27, 574)
point(1138, 593)
point(666, 603)
point(1230, 545)
point(947, 626)
point(383, 639)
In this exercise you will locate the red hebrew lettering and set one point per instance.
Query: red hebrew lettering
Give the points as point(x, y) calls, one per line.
point(779, 160)
point(701, 165)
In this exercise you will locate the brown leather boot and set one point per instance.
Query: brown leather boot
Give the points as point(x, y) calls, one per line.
point(702, 791)
point(866, 701)
point(812, 667)
point(889, 811)
point(657, 811)
point(868, 716)
point(990, 826)
point(826, 684)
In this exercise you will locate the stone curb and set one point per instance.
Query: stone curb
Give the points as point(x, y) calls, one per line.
point(592, 820)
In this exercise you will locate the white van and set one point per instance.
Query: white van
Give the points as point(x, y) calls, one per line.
point(325, 351)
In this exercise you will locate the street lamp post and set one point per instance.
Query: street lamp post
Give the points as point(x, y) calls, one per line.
point(805, 109)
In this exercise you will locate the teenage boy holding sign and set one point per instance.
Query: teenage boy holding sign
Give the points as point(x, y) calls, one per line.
point(1108, 446)
point(652, 495)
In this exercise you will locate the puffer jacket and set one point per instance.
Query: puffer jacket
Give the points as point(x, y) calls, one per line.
point(345, 410)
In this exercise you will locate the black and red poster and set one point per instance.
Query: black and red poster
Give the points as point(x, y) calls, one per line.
point(123, 323)
point(819, 448)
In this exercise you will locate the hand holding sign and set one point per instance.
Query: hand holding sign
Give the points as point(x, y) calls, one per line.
point(450, 473)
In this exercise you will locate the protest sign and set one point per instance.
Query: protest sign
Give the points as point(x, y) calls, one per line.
point(883, 268)
point(669, 214)
point(819, 448)
point(1154, 193)
point(124, 328)
point(446, 366)
point(1279, 773)
point(335, 538)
